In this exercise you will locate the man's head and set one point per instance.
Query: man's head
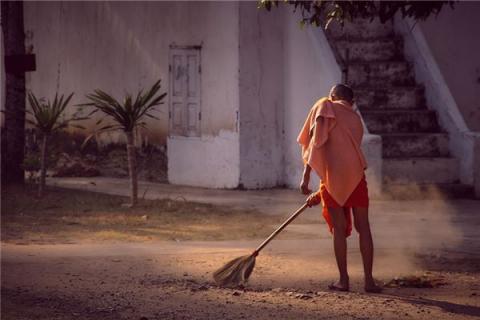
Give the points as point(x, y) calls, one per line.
point(342, 92)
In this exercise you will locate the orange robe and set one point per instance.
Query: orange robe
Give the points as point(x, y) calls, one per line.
point(331, 139)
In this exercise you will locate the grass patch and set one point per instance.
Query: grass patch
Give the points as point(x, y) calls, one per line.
point(70, 216)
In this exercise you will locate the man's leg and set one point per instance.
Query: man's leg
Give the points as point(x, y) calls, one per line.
point(340, 246)
point(362, 225)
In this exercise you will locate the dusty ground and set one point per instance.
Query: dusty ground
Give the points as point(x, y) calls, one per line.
point(72, 216)
point(172, 281)
point(150, 279)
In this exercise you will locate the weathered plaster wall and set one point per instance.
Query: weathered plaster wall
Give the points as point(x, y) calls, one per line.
point(261, 96)
point(310, 72)
point(454, 42)
point(207, 161)
point(372, 149)
point(258, 67)
point(123, 47)
point(439, 97)
point(211, 160)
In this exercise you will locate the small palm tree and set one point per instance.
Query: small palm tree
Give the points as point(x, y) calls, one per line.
point(126, 116)
point(48, 118)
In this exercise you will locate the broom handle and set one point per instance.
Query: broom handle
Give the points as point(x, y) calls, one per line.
point(279, 229)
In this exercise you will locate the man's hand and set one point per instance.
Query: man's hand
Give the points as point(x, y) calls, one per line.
point(314, 199)
point(305, 181)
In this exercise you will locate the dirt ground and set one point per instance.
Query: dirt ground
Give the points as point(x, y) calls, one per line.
point(88, 277)
point(72, 216)
point(172, 281)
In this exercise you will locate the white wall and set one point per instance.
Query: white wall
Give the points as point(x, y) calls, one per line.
point(256, 65)
point(450, 48)
point(207, 161)
point(211, 160)
point(123, 46)
point(455, 45)
point(310, 72)
point(261, 96)
point(440, 98)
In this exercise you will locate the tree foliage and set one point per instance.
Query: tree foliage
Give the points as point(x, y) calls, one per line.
point(126, 116)
point(319, 12)
point(129, 114)
point(47, 117)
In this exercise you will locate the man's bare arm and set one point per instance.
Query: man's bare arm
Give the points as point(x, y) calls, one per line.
point(306, 180)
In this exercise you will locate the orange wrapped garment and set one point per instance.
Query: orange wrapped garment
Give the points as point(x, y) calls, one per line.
point(358, 198)
point(331, 138)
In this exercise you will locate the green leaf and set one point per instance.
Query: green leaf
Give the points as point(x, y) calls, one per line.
point(87, 139)
point(128, 114)
point(49, 116)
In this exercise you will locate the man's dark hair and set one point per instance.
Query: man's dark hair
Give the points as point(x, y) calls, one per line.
point(342, 92)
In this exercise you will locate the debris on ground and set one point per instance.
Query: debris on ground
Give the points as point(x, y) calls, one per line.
point(303, 296)
point(424, 281)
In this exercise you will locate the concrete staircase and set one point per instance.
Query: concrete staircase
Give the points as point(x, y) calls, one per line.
point(416, 158)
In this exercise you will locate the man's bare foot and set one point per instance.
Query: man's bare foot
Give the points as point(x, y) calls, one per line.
point(372, 287)
point(338, 286)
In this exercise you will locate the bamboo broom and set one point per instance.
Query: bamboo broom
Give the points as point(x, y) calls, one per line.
point(237, 271)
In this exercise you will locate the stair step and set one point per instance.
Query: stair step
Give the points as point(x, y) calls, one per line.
point(389, 98)
point(395, 73)
point(396, 145)
point(401, 121)
point(420, 170)
point(361, 29)
point(382, 49)
point(416, 162)
point(427, 191)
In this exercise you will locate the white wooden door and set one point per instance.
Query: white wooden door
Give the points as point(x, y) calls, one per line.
point(184, 111)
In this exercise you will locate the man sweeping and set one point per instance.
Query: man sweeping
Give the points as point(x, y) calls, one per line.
point(330, 140)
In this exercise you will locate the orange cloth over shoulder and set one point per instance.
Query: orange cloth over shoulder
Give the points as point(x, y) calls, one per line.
point(331, 138)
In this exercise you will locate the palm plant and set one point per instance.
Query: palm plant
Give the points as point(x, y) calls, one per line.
point(48, 118)
point(126, 116)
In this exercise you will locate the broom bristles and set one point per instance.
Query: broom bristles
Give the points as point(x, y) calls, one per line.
point(235, 272)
